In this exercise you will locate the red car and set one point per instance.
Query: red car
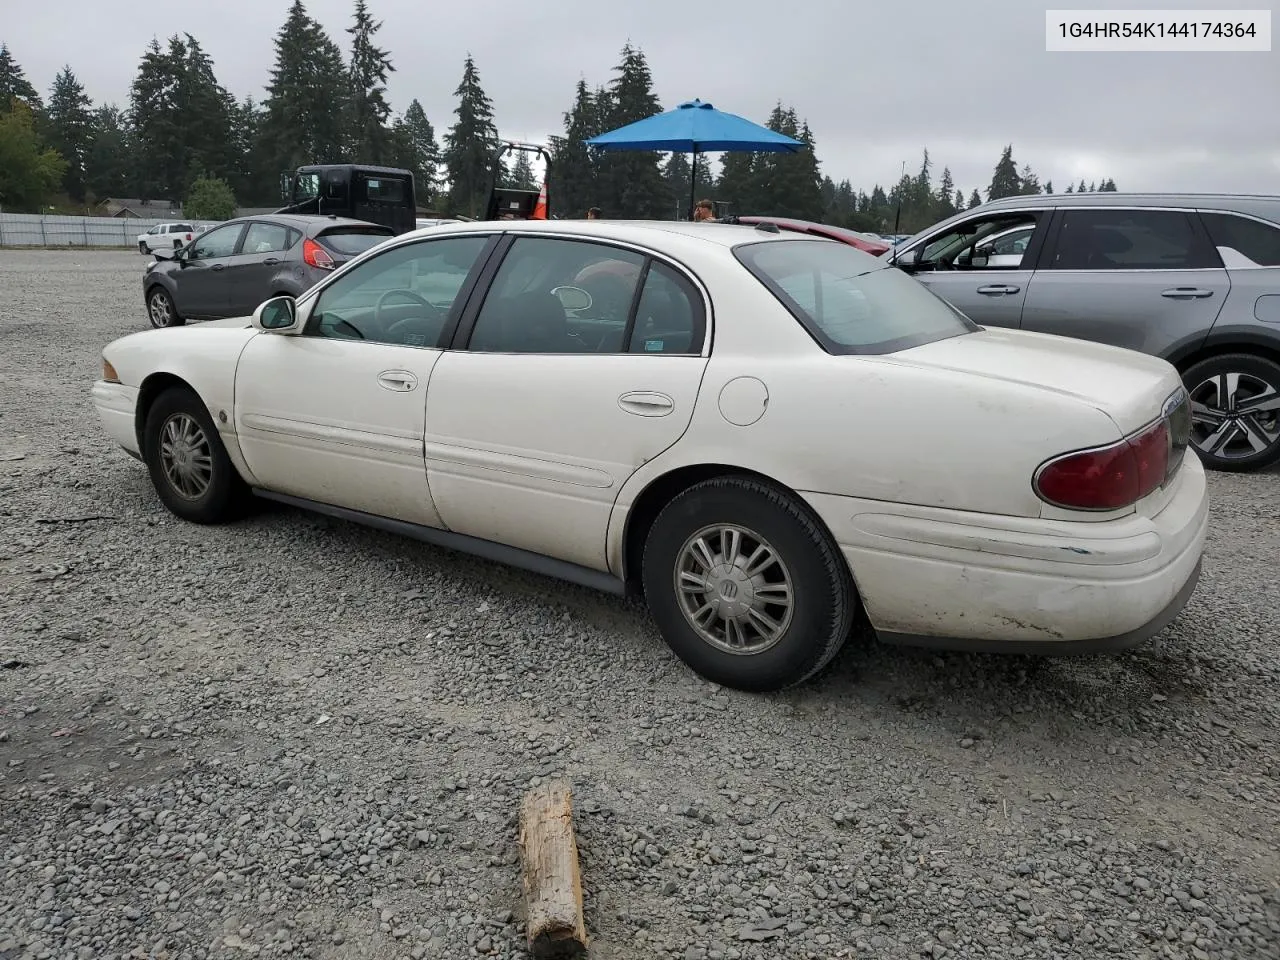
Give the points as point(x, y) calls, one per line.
point(863, 241)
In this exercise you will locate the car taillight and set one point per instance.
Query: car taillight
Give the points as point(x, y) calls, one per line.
point(314, 255)
point(1108, 478)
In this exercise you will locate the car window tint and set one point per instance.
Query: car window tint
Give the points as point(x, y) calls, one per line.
point(669, 316)
point(350, 241)
point(402, 296)
point(523, 311)
point(1258, 241)
point(1130, 240)
point(216, 243)
point(266, 238)
point(181, 228)
point(849, 301)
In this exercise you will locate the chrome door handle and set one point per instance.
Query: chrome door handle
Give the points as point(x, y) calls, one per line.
point(401, 381)
point(644, 403)
point(270, 261)
point(218, 266)
point(1186, 293)
point(998, 289)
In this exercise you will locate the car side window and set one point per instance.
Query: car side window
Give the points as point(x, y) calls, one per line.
point(556, 295)
point(982, 243)
point(1258, 241)
point(404, 296)
point(266, 238)
point(669, 315)
point(1093, 239)
point(216, 243)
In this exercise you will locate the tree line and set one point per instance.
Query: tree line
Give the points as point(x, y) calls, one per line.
point(184, 136)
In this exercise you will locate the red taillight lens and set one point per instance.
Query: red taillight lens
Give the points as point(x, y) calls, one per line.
point(314, 255)
point(1109, 478)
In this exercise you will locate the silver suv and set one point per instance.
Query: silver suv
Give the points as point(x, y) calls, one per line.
point(1192, 278)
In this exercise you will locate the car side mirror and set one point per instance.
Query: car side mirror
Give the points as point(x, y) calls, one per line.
point(276, 315)
point(906, 259)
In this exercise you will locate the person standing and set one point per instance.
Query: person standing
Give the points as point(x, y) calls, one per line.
point(593, 213)
point(705, 210)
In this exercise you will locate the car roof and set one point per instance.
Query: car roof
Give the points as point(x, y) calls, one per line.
point(639, 231)
point(308, 223)
point(1260, 204)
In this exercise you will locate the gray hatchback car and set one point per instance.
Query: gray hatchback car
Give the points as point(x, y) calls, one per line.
point(1194, 279)
point(230, 269)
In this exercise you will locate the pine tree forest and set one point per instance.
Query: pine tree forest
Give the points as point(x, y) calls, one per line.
point(181, 130)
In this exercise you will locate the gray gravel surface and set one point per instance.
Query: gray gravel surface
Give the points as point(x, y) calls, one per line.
point(296, 737)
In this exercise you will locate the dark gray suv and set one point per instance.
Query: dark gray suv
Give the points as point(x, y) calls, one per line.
point(1194, 279)
point(230, 269)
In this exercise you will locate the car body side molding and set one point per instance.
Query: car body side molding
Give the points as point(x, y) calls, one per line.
point(485, 549)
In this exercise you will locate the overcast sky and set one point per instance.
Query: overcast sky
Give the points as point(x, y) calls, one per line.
point(877, 81)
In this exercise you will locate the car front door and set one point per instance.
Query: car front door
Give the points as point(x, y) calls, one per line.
point(1142, 278)
point(200, 289)
point(555, 397)
point(957, 264)
point(249, 273)
point(336, 413)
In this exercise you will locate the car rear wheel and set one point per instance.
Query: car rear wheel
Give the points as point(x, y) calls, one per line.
point(143, 248)
point(1235, 411)
point(746, 586)
point(189, 466)
point(161, 309)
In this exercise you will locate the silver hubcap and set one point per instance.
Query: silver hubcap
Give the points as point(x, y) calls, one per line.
point(161, 311)
point(1235, 415)
point(185, 456)
point(734, 589)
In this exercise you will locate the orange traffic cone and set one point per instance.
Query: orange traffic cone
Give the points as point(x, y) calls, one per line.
point(540, 209)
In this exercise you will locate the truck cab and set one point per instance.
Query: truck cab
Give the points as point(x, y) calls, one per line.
point(383, 195)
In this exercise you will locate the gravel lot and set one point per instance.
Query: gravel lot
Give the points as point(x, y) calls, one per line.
point(294, 736)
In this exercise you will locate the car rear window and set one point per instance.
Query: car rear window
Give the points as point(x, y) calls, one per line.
point(850, 301)
point(181, 228)
point(350, 241)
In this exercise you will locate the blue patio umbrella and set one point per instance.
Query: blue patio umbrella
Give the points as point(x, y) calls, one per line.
point(696, 127)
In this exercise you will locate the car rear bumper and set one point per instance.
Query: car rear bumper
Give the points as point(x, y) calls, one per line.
point(115, 404)
point(984, 583)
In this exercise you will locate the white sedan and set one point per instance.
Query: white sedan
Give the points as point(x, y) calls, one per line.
point(774, 437)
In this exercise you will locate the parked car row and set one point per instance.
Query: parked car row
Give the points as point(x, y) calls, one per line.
point(740, 441)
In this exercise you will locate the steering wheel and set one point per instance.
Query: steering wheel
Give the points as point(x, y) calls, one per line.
point(377, 310)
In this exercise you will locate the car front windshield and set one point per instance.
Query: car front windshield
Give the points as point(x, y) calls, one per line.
point(850, 301)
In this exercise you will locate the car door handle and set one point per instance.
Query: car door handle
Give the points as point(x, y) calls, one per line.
point(1186, 293)
point(401, 381)
point(646, 404)
point(270, 261)
point(998, 289)
point(218, 266)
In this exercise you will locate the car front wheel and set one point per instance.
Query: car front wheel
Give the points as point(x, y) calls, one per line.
point(161, 309)
point(189, 466)
point(746, 587)
point(1235, 411)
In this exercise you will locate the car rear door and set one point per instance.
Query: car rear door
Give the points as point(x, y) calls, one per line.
point(546, 407)
point(1144, 278)
point(249, 274)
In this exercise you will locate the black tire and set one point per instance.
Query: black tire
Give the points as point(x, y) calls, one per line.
point(1229, 437)
point(225, 494)
point(824, 601)
point(161, 310)
point(143, 248)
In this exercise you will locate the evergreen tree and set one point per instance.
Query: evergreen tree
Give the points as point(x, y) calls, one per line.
point(418, 151)
point(470, 145)
point(1048, 186)
point(1005, 181)
point(958, 204)
point(110, 170)
point(631, 182)
point(367, 136)
point(305, 103)
point(249, 179)
point(70, 130)
point(1082, 188)
point(29, 172)
point(205, 114)
point(1029, 182)
point(1093, 187)
point(677, 172)
point(573, 187)
point(521, 176)
point(14, 83)
point(975, 199)
point(1108, 186)
point(739, 186)
point(1071, 188)
point(946, 189)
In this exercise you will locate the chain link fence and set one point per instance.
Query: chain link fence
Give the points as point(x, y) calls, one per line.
point(35, 230)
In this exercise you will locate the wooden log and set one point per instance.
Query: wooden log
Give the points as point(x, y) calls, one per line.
point(552, 881)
